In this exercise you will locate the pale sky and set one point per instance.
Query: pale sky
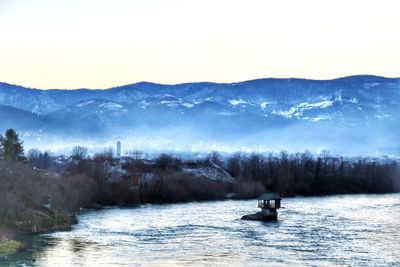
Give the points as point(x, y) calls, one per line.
point(105, 43)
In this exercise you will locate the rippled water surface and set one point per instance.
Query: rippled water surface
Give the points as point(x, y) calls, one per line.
point(356, 230)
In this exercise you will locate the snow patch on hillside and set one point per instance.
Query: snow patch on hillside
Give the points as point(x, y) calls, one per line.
point(143, 104)
point(82, 104)
point(321, 104)
point(369, 85)
point(235, 102)
point(264, 105)
point(110, 105)
point(354, 100)
point(321, 118)
point(299, 109)
point(188, 105)
point(171, 103)
point(224, 113)
point(382, 116)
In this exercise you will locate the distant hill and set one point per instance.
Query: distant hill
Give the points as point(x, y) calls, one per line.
point(353, 115)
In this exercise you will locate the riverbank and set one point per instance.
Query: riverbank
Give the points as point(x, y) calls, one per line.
point(32, 202)
point(33, 222)
point(8, 246)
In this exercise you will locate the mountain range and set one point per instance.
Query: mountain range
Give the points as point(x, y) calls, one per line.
point(349, 115)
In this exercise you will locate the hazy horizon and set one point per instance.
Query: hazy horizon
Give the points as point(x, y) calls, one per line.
point(204, 81)
point(99, 44)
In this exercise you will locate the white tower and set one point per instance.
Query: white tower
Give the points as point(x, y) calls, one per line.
point(118, 149)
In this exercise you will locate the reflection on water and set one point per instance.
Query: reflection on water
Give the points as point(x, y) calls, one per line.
point(361, 230)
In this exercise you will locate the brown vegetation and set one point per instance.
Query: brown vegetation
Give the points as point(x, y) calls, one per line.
point(304, 174)
point(34, 202)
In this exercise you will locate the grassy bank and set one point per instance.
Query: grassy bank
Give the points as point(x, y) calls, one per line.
point(8, 247)
point(7, 244)
point(31, 202)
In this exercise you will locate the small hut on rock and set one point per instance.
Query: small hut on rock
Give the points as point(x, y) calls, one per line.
point(269, 203)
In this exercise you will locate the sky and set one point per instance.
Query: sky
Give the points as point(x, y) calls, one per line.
point(103, 43)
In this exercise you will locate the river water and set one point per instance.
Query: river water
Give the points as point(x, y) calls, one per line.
point(356, 230)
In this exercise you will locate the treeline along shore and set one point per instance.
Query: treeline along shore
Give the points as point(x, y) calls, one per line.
point(41, 193)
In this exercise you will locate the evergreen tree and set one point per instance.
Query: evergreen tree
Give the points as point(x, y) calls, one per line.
point(1, 147)
point(46, 160)
point(40, 161)
point(11, 147)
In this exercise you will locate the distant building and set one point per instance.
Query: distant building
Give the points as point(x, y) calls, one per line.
point(126, 159)
point(118, 149)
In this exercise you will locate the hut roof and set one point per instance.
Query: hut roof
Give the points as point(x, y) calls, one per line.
point(269, 196)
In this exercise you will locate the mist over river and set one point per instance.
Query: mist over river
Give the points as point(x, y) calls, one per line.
point(344, 230)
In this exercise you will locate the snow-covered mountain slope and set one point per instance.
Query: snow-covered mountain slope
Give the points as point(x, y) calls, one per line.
point(357, 112)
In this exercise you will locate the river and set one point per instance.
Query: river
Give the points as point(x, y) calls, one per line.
point(356, 230)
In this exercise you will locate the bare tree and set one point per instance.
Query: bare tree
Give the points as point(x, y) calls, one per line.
point(79, 153)
point(216, 158)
